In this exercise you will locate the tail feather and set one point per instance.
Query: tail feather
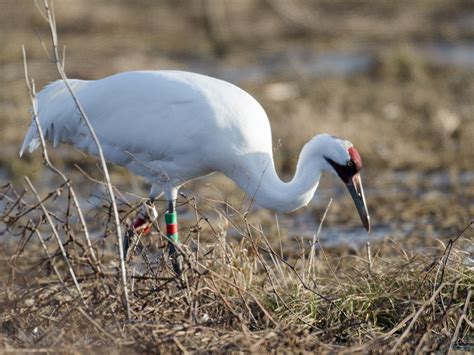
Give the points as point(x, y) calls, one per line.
point(55, 107)
point(31, 141)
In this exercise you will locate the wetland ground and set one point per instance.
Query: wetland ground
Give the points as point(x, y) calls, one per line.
point(395, 78)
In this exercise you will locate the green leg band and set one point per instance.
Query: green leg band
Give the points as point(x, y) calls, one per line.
point(171, 221)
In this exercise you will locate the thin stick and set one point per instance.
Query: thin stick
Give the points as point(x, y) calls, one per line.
point(60, 68)
point(45, 248)
point(279, 234)
point(415, 317)
point(96, 325)
point(369, 256)
point(316, 237)
point(47, 162)
point(180, 346)
point(469, 323)
point(461, 318)
point(58, 239)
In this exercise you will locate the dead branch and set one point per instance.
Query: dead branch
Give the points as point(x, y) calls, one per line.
point(58, 239)
point(461, 319)
point(51, 20)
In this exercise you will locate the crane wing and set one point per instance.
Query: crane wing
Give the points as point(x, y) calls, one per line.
point(58, 115)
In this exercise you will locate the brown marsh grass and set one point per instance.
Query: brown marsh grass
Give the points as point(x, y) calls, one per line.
point(232, 296)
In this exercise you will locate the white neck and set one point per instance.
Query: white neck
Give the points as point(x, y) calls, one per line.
point(255, 174)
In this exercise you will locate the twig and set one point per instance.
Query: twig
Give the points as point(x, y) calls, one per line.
point(461, 318)
point(47, 162)
point(45, 248)
point(316, 237)
point(58, 239)
point(369, 256)
point(180, 346)
point(279, 234)
point(448, 249)
point(415, 317)
point(96, 325)
point(59, 65)
point(438, 259)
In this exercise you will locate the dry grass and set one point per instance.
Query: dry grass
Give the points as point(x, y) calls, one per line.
point(233, 296)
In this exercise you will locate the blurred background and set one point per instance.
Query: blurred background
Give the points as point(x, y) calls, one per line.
point(393, 77)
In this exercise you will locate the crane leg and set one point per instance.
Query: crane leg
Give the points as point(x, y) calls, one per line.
point(171, 220)
point(141, 226)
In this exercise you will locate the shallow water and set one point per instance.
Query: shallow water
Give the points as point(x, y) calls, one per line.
point(294, 62)
point(302, 63)
point(305, 224)
point(404, 182)
point(451, 54)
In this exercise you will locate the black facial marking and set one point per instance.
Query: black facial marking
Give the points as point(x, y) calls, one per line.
point(345, 172)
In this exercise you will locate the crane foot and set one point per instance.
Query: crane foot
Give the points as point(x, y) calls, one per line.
point(142, 225)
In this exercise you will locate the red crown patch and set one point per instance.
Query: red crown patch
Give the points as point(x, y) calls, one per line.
point(355, 157)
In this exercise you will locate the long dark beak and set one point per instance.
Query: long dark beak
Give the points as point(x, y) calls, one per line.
point(357, 192)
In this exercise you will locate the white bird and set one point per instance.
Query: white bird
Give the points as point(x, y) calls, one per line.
point(173, 126)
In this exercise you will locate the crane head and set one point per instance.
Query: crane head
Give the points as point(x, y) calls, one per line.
point(346, 163)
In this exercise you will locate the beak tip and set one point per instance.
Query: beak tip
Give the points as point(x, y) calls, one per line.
point(355, 188)
point(367, 224)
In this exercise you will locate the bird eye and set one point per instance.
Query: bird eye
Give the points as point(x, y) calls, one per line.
point(350, 163)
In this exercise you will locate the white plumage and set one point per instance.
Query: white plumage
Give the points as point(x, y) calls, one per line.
point(173, 126)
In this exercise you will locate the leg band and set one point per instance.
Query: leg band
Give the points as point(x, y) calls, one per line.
point(172, 226)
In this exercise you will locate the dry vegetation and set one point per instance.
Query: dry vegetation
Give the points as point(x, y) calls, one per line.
point(247, 285)
point(248, 295)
